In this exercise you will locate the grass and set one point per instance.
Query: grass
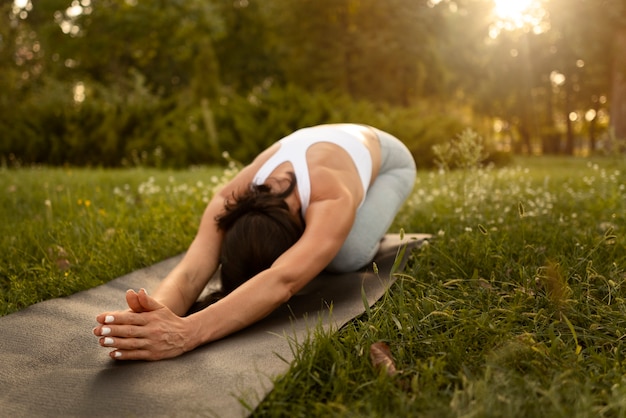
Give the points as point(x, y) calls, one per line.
point(517, 308)
point(67, 230)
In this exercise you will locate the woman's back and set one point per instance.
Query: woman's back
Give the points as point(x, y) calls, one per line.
point(326, 160)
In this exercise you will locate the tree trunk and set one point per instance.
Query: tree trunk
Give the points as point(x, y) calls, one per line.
point(618, 93)
point(569, 134)
point(593, 124)
point(525, 137)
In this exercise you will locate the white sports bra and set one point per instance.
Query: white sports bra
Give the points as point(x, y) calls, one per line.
point(293, 149)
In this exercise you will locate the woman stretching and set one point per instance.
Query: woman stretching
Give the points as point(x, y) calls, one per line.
point(320, 198)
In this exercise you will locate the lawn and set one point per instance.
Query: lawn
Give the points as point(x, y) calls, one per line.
point(516, 308)
point(68, 229)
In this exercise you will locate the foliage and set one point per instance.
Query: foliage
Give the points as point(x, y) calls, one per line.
point(248, 125)
point(364, 48)
point(538, 77)
point(96, 82)
point(136, 127)
point(466, 151)
point(246, 48)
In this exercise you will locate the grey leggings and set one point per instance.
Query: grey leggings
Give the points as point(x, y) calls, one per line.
point(384, 198)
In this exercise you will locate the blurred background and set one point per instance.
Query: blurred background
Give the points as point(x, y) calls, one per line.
point(178, 82)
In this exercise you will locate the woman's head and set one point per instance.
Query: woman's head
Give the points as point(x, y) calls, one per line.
point(258, 227)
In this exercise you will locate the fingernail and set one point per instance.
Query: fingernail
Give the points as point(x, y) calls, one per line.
point(143, 290)
point(105, 331)
point(117, 354)
point(108, 341)
point(108, 319)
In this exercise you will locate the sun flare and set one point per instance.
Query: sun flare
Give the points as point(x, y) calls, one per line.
point(511, 9)
point(518, 14)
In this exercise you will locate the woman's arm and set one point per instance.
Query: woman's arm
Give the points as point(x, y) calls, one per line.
point(157, 333)
point(328, 224)
point(182, 286)
point(153, 328)
point(180, 289)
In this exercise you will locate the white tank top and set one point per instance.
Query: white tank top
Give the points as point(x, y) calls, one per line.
point(293, 149)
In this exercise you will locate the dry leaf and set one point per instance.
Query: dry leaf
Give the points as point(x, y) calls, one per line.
point(60, 256)
point(381, 358)
point(63, 264)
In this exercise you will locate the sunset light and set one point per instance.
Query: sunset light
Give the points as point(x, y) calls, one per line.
point(513, 10)
point(509, 15)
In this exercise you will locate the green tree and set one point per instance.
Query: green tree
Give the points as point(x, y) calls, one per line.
point(617, 10)
point(540, 79)
point(379, 51)
point(494, 75)
point(110, 41)
point(244, 45)
point(106, 75)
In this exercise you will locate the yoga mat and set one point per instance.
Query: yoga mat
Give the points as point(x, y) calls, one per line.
point(52, 366)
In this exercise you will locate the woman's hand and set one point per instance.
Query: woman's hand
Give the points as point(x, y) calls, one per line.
point(147, 331)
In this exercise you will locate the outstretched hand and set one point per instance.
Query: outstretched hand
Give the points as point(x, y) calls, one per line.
point(147, 331)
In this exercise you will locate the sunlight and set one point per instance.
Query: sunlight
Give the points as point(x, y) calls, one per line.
point(513, 10)
point(509, 15)
point(21, 8)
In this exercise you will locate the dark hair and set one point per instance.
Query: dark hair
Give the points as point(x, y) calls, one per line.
point(258, 227)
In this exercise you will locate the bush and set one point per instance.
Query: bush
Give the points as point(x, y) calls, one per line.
point(248, 125)
point(135, 127)
point(421, 130)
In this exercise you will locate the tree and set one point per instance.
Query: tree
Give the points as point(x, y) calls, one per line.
point(544, 78)
point(618, 69)
point(379, 51)
point(244, 46)
point(107, 77)
point(109, 41)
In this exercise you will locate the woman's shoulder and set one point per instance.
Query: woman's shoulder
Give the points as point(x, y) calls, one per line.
point(245, 176)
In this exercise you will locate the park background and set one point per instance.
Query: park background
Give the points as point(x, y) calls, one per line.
point(175, 83)
point(120, 119)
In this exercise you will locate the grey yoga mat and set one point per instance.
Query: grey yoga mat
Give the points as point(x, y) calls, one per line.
point(52, 366)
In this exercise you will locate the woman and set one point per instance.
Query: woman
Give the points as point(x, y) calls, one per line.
point(320, 198)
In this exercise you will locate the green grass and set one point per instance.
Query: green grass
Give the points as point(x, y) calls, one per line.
point(517, 308)
point(66, 230)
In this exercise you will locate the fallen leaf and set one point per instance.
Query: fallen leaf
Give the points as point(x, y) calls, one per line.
point(63, 264)
point(381, 358)
point(60, 257)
